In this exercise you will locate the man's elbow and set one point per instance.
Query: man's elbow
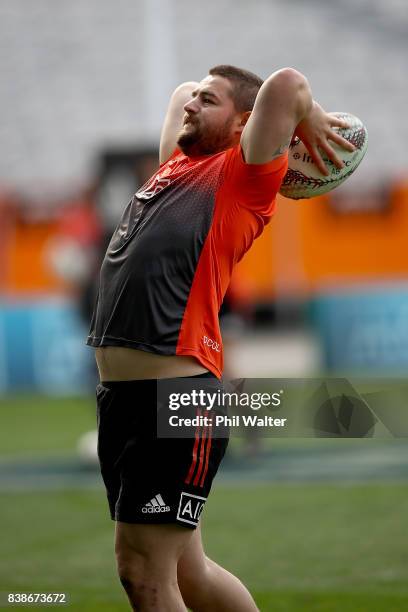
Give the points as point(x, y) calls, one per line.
point(292, 88)
point(286, 77)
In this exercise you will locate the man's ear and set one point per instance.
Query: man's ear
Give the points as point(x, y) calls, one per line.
point(242, 119)
point(245, 117)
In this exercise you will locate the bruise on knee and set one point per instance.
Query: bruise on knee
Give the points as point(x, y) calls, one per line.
point(139, 591)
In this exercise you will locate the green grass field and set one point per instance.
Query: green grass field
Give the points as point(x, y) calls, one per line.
point(307, 546)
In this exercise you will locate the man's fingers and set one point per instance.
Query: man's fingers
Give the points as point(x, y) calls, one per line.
point(318, 160)
point(331, 154)
point(342, 142)
point(337, 122)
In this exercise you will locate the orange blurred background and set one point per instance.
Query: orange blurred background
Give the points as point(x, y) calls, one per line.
point(310, 245)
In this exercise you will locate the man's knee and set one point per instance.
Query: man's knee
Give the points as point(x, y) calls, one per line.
point(131, 568)
point(143, 578)
point(132, 572)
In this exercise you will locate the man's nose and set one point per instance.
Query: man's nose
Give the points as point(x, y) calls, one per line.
point(191, 106)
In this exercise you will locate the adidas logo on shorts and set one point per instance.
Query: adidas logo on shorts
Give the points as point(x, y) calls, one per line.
point(156, 504)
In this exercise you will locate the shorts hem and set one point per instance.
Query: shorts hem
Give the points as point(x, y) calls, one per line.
point(138, 521)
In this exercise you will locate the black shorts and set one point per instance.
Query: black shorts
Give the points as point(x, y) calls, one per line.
point(150, 479)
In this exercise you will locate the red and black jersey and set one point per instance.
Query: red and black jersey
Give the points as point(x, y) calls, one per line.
point(170, 259)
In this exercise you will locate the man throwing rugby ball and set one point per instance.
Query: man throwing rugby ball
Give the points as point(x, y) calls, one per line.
point(223, 155)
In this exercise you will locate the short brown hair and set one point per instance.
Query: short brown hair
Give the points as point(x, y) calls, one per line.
point(245, 85)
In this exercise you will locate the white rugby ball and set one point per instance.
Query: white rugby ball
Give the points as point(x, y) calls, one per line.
point(304, 180)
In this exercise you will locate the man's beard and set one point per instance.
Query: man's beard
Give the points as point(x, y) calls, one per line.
point(197, 141)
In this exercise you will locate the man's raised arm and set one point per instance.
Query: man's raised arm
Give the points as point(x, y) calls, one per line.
point(284, 107)
point(173, 121)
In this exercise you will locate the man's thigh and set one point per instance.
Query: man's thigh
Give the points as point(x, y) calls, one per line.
point(158, 547)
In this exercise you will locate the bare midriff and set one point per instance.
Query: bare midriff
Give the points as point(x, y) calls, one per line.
point(120, 363)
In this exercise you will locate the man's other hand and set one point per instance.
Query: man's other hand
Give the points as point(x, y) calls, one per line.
point(316, 132)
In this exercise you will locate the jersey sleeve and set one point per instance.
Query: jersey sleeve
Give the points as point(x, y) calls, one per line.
point(254, 186)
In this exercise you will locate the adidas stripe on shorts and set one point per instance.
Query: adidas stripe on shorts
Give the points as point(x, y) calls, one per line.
point(150, 479)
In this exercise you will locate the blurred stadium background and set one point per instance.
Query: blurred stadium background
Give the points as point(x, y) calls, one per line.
point(308, 524)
